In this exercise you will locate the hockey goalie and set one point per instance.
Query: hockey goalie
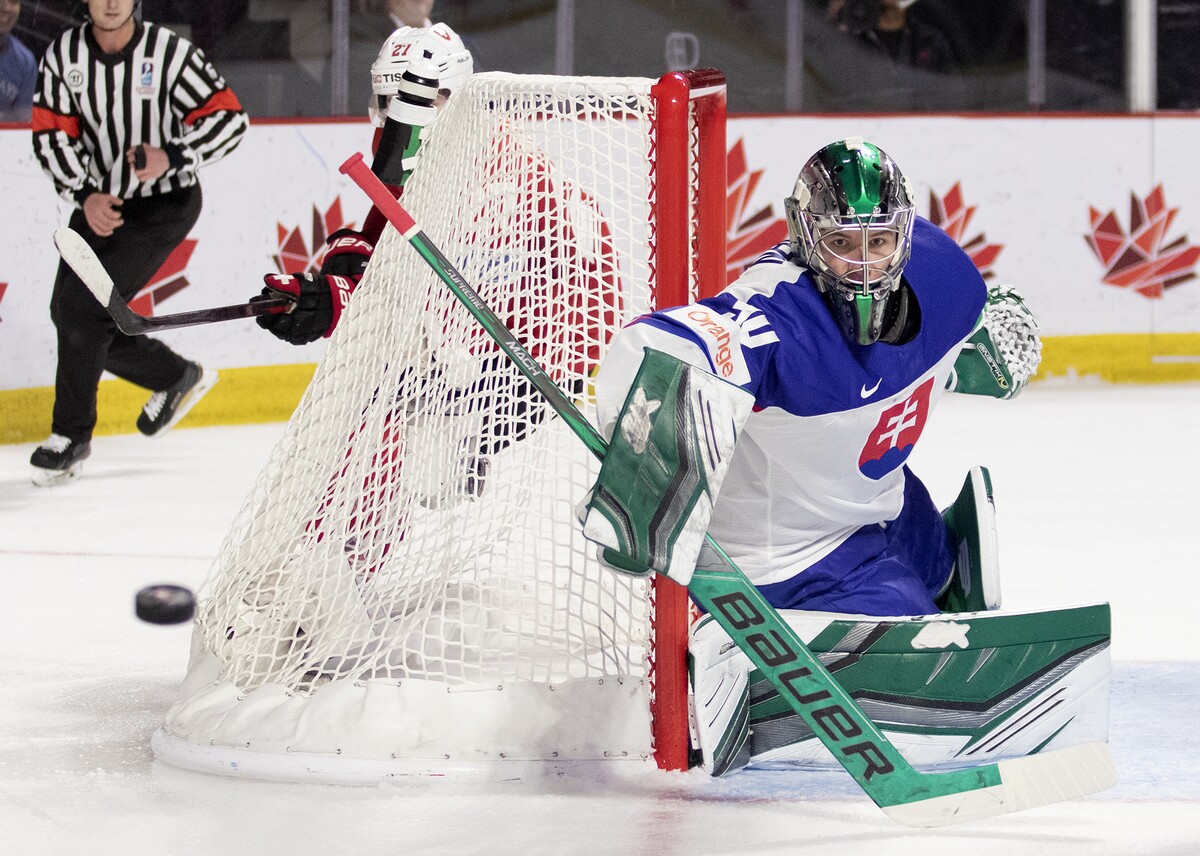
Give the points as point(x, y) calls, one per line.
point(778, 417)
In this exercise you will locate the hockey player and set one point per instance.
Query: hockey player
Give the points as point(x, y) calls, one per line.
point(402, 109)
point(807, 383)
point(562, 286)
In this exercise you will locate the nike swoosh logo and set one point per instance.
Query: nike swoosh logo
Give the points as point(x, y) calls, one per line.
point(867, 393)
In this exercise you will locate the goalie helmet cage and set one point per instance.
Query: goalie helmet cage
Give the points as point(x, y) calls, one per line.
point(405, 590)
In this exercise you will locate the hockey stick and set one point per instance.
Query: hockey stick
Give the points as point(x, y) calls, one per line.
point(82, 259)
point(904, 793)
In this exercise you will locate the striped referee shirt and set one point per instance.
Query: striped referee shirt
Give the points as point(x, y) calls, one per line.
point(91, 107)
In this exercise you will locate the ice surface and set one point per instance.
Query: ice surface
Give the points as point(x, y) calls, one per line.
point(1095, 490)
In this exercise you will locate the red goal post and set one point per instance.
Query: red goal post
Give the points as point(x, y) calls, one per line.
point(691, 258)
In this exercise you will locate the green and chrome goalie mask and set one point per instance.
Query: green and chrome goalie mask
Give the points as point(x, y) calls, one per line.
point(850, 220)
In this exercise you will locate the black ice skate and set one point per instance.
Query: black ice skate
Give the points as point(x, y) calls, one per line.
point(168, 406)
point(58, 460)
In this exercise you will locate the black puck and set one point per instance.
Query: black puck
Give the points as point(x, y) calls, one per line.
point(165, 604)
point(139, 157)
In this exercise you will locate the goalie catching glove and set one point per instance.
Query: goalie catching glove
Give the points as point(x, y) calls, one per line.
point(670, 450)
point(1003, 353)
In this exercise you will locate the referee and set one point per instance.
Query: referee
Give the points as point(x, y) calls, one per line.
point(124, 114)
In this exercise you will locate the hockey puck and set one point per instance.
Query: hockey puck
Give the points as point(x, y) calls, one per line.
point(165, 604)
point(139, 157)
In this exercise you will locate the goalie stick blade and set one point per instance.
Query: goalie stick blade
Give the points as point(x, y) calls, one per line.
point(82, 259)
point(1028, 782)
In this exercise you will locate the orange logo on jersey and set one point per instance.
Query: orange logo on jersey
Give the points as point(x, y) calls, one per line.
point(722, 355)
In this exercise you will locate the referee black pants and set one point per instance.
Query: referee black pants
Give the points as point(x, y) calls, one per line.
point(88, 341)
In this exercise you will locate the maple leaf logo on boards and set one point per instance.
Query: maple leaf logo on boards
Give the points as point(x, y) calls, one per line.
point(294, 255)
point(749, 236)
point(953, 215)
point(3, 288)
point(1139, 260)
point(168, 280)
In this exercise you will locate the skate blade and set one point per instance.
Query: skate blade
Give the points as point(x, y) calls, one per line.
point(55, 478)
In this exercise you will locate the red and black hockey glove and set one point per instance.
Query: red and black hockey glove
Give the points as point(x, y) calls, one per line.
point(319, 303)
point(347, 253)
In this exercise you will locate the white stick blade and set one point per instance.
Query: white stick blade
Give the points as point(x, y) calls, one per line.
point(83, 260)
point(1027, 782)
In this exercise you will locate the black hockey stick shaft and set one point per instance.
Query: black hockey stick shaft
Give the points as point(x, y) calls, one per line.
point(82, 259)
point(719, 586)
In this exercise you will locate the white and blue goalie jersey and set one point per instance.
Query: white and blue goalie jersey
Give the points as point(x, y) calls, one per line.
point(833, 422)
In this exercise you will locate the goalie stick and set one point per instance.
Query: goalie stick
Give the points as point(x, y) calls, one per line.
point(82, 259)
point(906, 794)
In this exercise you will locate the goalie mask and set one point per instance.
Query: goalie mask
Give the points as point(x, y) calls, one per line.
point(850, 221)
point(438, 60)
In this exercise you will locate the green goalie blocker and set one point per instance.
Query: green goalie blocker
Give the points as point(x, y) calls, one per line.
point(670, 450)
point(948, 691)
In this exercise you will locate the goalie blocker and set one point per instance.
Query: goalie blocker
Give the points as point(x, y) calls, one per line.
point(669, 452)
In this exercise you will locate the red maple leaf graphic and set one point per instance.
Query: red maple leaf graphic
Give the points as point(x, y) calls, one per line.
point(1139, 260)
point(3, 288)
point(167, 280)
point(748, 237)
point(953, 216)
point(294, 255)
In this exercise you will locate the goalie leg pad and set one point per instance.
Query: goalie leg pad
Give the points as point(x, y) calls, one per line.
point(670, 450)
point(720, 674)
point(951, 690)
point(974, 583)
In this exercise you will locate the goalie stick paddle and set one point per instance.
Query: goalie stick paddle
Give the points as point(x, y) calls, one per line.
point(906, 794)
point(82, 259)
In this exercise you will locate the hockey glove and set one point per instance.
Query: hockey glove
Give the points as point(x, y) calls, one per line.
point(319, 303)
point(346, 254)
point(670, 449)
point(1003, 353)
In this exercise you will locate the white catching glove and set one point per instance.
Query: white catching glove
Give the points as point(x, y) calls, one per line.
point(1003, 353)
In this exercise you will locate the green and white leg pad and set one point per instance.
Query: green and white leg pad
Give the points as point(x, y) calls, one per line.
point(951, 690)
point(720, 702)
point(669, 453)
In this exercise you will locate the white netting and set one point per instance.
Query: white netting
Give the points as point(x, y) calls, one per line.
point(411, 534)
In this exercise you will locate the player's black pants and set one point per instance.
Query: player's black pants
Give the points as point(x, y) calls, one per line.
point(88, 340)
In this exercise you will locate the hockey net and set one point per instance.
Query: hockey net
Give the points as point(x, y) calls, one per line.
point(405, 589)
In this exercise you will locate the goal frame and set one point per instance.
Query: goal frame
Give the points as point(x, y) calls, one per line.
point(687, 231)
